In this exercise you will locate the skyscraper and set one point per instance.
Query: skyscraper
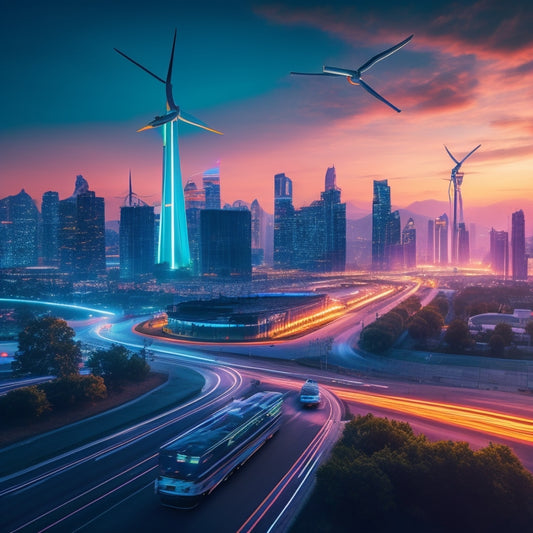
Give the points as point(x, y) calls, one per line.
point(283, 222)
point(499, 252)
point(226, 243)
point(194, 203)
point(393, 242)
point(136, 235)
point(518, 246)
point(211, 184)
point(381, 210)
point(90, 246)
point(19, 219)
point(409, 244)
point(259, 233)
point(335, 224)
point(430, 255)
point(441, 240)
point(50, 228)
point(463, 244)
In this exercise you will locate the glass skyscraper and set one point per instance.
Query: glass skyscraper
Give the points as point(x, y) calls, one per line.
point(50, 228)
point(283, 222)
point(381, 210)
point(518, 246)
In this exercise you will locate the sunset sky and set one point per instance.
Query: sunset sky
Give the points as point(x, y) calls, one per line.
point(71, 105)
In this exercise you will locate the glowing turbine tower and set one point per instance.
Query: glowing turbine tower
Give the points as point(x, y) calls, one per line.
point(173, 248)
point(456, 179)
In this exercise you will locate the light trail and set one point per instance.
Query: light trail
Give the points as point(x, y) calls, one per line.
point(491, 422)
point(54, 304)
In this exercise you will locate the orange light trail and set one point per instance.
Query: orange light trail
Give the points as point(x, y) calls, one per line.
point(491, 422)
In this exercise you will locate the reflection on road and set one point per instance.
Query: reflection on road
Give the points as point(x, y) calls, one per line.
point(491, 422)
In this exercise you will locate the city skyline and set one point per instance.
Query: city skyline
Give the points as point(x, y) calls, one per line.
point(464, 78)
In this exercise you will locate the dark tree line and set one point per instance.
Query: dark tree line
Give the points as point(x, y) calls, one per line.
point(381, 477)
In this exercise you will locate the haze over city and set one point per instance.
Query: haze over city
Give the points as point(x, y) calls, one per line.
point(71, 105)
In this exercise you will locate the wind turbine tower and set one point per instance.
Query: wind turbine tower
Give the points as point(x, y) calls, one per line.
point(173, 246)
point(456, 180)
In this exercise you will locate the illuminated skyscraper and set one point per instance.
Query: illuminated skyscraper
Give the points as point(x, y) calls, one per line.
point(409, 244)
point(283, 222)
point(518, 246)
point(226, 243)
point(136, 236)
point(50, 228)
point(499, 252)
point(441, 240)
point(211, 184)
point(463, 244)
point(381, 210)
point(19, 219)
point(430, 255)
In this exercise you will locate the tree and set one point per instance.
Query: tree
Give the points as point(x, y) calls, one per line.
point(26, 403)
point(529, 330)
point(111, 364)
point(457, 335)
point(47, 346)
point(118, 365)
point(496, 344)
point(505, 331)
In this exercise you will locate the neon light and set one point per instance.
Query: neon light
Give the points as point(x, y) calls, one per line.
point(54, 304)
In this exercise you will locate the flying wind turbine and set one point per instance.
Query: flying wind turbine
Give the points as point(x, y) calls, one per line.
point(173, 111)
point(354, 76)
point(456, 179)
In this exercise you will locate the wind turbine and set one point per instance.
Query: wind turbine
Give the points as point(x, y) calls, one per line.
point(456, 179)
point(173, 246)
point(354, 76)
point(173, 111)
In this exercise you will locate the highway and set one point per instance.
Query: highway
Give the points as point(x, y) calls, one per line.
point(107, 483)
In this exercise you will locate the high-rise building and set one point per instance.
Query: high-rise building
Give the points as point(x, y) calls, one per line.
point(226, 243)
point(194, 203)
point(441, 240)
point(90, 248)
point(499, 252)
point(259, 233)
point(430, 254)
point(136, 238)
point(81, 233)
point(50, 228)
point(283, 222)
point(381, 210)
point(463, 245)
point(211, 184)
point(309, 239)
point(518, 246)
point(393, 242)
point(19, 221)
point(409, 244)
point(335, 224)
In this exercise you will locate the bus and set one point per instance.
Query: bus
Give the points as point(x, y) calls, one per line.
point(310, 394)
point(192, 465)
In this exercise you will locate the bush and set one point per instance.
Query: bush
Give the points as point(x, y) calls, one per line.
point(65, 392)
point(26, 403)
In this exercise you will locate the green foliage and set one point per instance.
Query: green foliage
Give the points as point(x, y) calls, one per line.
point(496, 344)
point(46, 346)
point(505, 331)
point(24, 404)
point(118, 365)
point(529, 329)
point(381, 477)
point(383, 333)
point(457, 335)
point(66, 392)
point(418, 328)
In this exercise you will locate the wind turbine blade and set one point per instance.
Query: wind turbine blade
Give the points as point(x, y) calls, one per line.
point(467, 156)
point(139, 65)
point(371, 62)
point(377, 95)
point(313, 74)
point(169, 73)
point(189, 119)
point(450, 154)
